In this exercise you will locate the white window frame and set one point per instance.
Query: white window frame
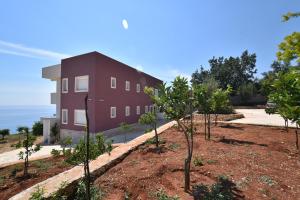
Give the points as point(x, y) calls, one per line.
point(81, 77)
point(111, 112)
point(156, 92)
point(127, 85)
point(138, 110)
point(138, 88)
point(111, 82)
point(127, 111)
point(62, 116)
point(64, 80)
point(146, 109)
point(77, 124)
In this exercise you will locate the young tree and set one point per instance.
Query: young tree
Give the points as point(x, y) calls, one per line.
point(221, 103)
point(3, 133)
point(150, 118)
point(286, 96)
point(125, 128)
point(30, 148)
point(177, 102)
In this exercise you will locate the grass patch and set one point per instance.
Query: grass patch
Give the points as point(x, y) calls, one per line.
point(198, 161)
point(174, 146)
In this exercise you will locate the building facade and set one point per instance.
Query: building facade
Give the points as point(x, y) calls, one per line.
point(115, 94)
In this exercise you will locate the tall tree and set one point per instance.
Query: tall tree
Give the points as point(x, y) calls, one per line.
point(199, 76)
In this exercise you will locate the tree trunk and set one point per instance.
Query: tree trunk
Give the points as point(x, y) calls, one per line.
point(297, 140)
point(205, 126)
point(88, 177)
point(216, 119)
point(208, 127)
point(26, 157)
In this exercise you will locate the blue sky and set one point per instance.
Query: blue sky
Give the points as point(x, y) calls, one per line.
point(164, 38)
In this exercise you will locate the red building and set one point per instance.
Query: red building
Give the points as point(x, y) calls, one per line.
point(115, 93)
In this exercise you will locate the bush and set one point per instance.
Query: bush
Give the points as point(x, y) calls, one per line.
point(96, 194)
point(198, 161)
point(37, 128)
point(162, 195)
point(3, 133)
point(55, 153)
point(55, 132)
point(38, 194)
point(222, 190)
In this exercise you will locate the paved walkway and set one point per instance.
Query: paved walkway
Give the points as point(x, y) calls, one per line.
point(259, 117)
point(11, 157)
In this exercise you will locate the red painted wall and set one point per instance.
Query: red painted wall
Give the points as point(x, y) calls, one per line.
point(100, 69)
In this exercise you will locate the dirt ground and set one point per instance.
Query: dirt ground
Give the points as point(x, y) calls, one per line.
point(12, 181)
point(261, 161)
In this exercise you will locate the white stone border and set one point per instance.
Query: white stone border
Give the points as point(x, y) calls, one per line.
point(97, 167)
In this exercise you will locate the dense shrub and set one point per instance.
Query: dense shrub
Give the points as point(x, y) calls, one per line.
point(37, 128)
point(3, 133)
point(222, 190)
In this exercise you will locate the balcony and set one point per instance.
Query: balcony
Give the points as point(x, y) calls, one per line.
point(52, 72)
point(53, 98)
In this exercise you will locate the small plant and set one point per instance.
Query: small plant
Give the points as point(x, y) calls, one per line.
point(2, 180)
point(267, 180)
point(222, 190)
point(174, 146)
point(198, 161)
point(148, 130)
point(55, 152)
point(66, 143)
point(42, 165)
point(37, 129)
point(15, 170)
point(38, 194)
point(210, 162)
point(95, 193)
point(162, 195)
point(125, 128)
point(153, 141)
point(58, 195)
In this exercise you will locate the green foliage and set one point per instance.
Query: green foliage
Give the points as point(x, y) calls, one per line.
point(66, 144)
point(222, 190)
point(125, 127)
point(290, 15)
point(198, 161)
point(148, 118)
point(55, 132)
point(174, 146)
point(232, 71)
point(97, 147)
point(246, 91)
point(289, 49)
point(162, 195)
point(28, 144)
point(37, 128)
point(55, 152)
point(267, 180)
point(38, 194)
point(3, 133)
point(95, 194)
point(220, 102)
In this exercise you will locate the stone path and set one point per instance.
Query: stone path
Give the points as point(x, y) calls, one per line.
point(11, 157)
point(97, 166)
point(259, 117)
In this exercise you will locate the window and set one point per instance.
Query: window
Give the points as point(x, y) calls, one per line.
point(138, 88)
point(127, 85)
point(79, 117)
point(113, 82)
point(150, 108)
point(113, 112)
point(82, 83)
point(64, 87)
point(156, 92)
point(127, 111)
point(138, 110)
point(64, 116)
point(146, 109)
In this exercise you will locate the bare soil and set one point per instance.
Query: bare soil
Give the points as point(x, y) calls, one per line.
point(13, 182)
point(262, 162)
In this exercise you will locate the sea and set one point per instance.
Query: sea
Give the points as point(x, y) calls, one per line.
point(12, 117)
